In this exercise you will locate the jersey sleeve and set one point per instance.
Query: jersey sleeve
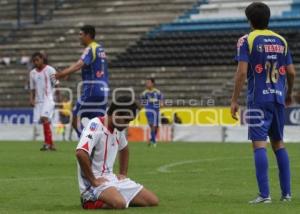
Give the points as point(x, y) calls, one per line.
point(31, 81)
point(90, 136)
point(288, 59)
point(87, 56)
point(242, 50)
point(122, 140)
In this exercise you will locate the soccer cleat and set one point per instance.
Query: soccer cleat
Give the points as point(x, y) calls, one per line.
point(52, 148)
point(286, 198)
point(44, 148)
point(261, 200)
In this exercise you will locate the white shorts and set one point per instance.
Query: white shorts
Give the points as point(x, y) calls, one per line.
point(126, 187)
point(44, 109)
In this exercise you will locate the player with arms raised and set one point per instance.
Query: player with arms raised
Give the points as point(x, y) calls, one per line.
point(93, 63)
point(42, 86)
point(100, 142)
point(263, 56)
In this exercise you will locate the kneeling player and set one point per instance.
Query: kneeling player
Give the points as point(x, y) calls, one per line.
point(101, 141)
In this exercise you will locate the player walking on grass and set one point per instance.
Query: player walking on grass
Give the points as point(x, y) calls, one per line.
point(93, 63)
point(42, 86)
point(151, 99)
point(100, 142)
point(263, 56)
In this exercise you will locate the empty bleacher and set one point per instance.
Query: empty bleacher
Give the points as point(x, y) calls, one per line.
point(187, 45)
point(119, 23)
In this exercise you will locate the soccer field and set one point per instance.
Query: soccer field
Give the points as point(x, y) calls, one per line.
point(188, 178)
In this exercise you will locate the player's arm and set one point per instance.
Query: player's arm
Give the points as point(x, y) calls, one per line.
point(32, 97)
point(124, 160)
point(71, 69)
point(88, 140)
point(291, 74)
point(240, 78)
point(32, 90)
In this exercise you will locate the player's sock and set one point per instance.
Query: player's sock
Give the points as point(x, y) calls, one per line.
point(284, 171)
point(47, 134)
point(152, 136)
point(261, 166)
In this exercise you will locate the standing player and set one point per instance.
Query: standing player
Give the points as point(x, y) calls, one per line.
point(151, 99)
point(41, 96)
point(100, 142)
point(264, 57)
point(93, 63)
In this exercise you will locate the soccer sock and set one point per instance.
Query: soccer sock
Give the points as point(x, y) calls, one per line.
point(152, 136)
point(284, 171)
point(47, 133)
point(261, 166)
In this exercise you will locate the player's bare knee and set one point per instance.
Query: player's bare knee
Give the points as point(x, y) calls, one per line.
point(153, 201)
point(119, 204)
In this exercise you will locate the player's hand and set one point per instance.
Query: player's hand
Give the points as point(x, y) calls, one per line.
point(121, 177)
point(288, 100)
point(32, 102)
point(234, 110)
point(99, 181)
point(58, 75)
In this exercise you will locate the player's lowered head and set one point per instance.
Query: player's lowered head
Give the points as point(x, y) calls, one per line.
point(121, 112)
point(150, 83)
point(87, 34)
point(38, 60)
point(258, 15)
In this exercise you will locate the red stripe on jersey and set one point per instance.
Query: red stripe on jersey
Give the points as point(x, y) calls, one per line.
point(86, 146)
point(105, 154)
point(46, 82)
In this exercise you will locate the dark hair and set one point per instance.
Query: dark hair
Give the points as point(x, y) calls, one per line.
point(41, 55)
point(90, 30)
point(151, 79)
point(125, 103)
point(258, 14)
point(37, 54)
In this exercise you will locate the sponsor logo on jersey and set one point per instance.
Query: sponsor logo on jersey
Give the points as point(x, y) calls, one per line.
point(102, 55)
point(274, 57)
point(93, 126)
point(259, 68)
point(274, 49)
point(260, 48)
point(282, 70)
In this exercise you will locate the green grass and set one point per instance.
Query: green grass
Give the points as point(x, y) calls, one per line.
point(211, 178)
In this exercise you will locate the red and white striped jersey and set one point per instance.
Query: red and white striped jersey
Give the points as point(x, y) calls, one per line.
point(43, 82)
point(102, 146)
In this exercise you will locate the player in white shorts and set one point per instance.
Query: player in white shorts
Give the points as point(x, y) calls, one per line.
point(101, 140)
point(42, 86)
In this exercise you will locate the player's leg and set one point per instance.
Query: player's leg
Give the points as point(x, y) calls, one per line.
point(276, 136)
point(46, 114)
point(112, 199)
point(47, 134)
point(76, 119)
point(259, 123)
point(145, 198)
